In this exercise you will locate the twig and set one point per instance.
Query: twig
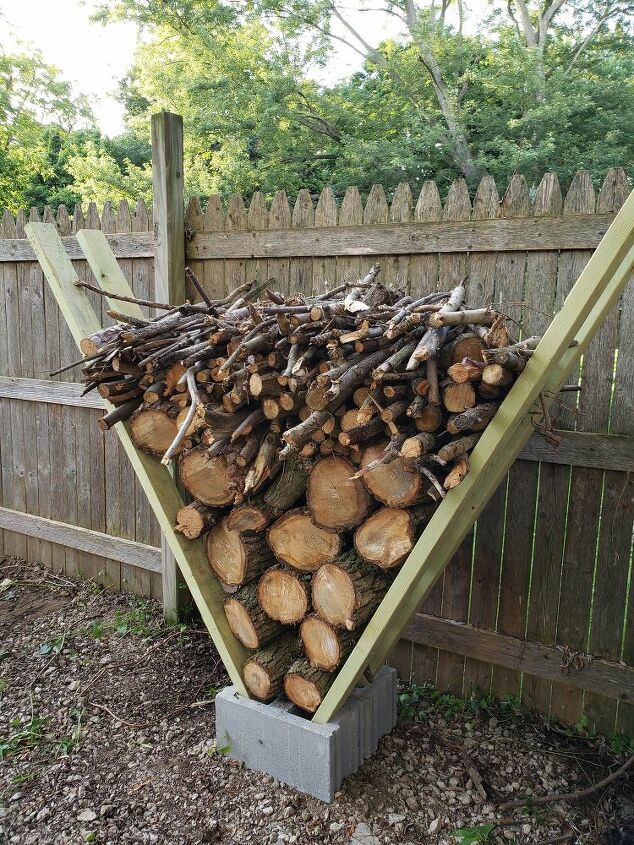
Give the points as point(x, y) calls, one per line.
point(119, 298)
point(570, 796)
point(191, 276)
point(151, 722)
point(191, 413)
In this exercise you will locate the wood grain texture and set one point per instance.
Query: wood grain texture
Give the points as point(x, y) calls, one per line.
point(501, 235)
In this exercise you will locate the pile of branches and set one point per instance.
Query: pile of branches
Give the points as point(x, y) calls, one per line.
point(315, 436)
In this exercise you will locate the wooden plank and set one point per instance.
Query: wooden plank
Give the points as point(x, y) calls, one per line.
point(375, 211)
point(301, 269)
point(350, 214)
point(279, 269)
point(501, 235)
point(257, 219)
point(81, 539)
point(124, 246)
point(487, 553)
point(325, 268)
point(457, 575)
point(528, 297)
point(43, 390)
point(609, 599)
point(586, 485)
point(396, 267)
point(169, 277)
point(157, 482)
point(595, 292)
point(424, 268)
point(214, 271)
point(609, 679)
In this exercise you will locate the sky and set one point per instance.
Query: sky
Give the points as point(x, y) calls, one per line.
point(95, 57)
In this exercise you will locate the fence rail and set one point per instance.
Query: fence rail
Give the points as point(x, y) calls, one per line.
point(549, 564)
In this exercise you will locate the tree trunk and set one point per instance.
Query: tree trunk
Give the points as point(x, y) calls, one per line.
point(297, 541)
point(335, 499)
point(284, 594)
point(195, 519)
point(248, 621)
point(326, 647)
point(392, 483)
point(387, 537)
point(237, 558)
point(264, 671)
point(347, 593)
point(306, 686)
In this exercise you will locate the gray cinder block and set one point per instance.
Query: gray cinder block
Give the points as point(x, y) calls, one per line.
point(315, 759)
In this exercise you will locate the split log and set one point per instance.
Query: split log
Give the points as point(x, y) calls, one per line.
point(195, 519)
point(387, 537)
point(153, 429)
point(466, 370)
point(306, 686)
point(249, 624)
point(297, 541)
point(335, 499)
point(346, 593)
point(213, 481)
point(393, 483)
point(284, 594)
point(265, 671)
point(326, 647)
point(237, 558)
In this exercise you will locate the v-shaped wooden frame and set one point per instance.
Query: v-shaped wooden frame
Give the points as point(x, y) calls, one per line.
point(595, 292)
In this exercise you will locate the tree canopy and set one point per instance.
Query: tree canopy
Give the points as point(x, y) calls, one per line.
point(535, 86)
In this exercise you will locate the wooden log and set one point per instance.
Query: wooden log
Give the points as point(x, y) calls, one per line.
point(282, 493)
point(360, 433)
point(153, 429)
point(306, 686)
point(213, 481)
point(456, 448)
point(496, 376)
point(335, 499)
point(387, 537)
point(457, 474)
point(393, 483)
point(466, 345)
point(429, 418)
point(346, 593)
point(326, 647)
point(265, 671)
point(248, 621)
point(418, 445)
point(473, 419)
point(237, 558)
point(195, 519)
point(297, 541)
point(466, 370)
point(457, 397)
point(284, 594)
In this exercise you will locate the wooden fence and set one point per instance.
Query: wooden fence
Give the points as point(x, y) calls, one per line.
point(538, 601)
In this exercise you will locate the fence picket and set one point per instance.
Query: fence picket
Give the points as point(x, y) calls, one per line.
point(324, 268)
point(280, 218)
point(350, 214)
point(257, 218)
point(301, 270)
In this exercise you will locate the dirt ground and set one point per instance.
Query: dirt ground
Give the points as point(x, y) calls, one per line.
point(107, 736)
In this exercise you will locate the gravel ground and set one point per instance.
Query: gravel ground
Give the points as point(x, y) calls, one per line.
point(107, 735)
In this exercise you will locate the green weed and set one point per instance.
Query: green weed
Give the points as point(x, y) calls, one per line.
point(52, 646)
point(471, 835)
point(28, 736)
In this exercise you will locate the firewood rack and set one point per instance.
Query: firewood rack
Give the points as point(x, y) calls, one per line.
point(563, 344)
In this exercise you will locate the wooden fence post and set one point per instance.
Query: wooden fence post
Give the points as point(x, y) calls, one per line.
point(169, 277)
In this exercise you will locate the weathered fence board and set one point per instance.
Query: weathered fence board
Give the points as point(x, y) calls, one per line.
point(550, 559)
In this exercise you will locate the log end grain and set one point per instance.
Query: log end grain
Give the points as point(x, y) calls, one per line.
point(386, 538)
point(297, 541)
point(284, 595)
point(335, 499)
point(392, 483)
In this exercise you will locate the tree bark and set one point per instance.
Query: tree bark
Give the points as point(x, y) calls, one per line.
point(346, 593)
point(326, 647)
point(248, 621)
point(237, 558)
point(265, 670)
point(306, 686)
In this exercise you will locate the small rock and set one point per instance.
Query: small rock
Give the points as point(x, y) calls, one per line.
point(412, 803)
point(87, 816)
point(362, 835)
point(433, 827)
point(335, 827)
point(396, 818)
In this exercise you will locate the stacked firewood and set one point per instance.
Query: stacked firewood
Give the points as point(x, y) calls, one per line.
point(315, 436)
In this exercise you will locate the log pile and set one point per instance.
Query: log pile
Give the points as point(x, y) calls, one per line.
point(315, 435)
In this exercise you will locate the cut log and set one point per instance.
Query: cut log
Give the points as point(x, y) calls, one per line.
point(473, 419)
point(466, 370)
point(265, 670)
point(297, 541)
point(248, 622)
point(335, 499)
point(326, 647)
point(456, 448)
point(288, 487)
point(237, 558)
point(213, 481)
point(195, 519)
point(418, 445)
point(457, 474)
point(429, 418)
point(387, 537)
point(284, 594)
point(306, 686)
point(467, 345)
point(496, 375)
point(457, 397)
point(346, 593)
point(393, 483)
point(153, 429)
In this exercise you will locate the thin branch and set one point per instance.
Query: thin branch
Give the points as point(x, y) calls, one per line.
point(146, 302)
point(190, 378)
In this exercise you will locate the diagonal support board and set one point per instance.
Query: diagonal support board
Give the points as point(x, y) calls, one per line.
point(158, 484)
point(595, 292)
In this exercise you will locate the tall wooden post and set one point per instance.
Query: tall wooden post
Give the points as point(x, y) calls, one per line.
point(169, 275)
